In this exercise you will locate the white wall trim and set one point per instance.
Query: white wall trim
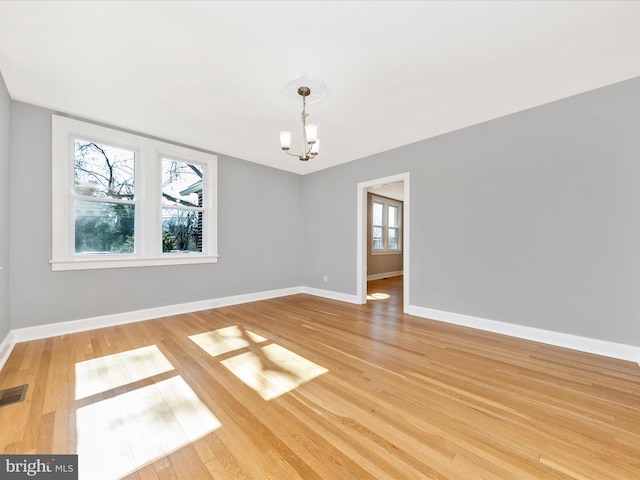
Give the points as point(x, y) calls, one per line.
point(148, 227)
point(342, 297)
point(74, 326)
point(361, 234)
point(378, 276)
point(6, 347)
point(584, 344)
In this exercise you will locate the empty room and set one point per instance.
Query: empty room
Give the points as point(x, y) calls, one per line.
point(247, 240)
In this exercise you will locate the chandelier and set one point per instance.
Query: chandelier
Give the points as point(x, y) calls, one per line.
point(311, 142)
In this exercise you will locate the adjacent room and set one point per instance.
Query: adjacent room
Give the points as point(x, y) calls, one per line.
point(194, 286)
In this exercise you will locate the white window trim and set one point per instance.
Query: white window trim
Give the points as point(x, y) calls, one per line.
point(385, 224)
point(148, 199)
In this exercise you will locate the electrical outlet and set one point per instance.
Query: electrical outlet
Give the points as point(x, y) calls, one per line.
point(326, 278)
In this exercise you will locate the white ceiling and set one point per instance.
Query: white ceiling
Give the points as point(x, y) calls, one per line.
point(210, 73)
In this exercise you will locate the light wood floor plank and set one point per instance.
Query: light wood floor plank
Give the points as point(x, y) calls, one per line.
point(306, 388)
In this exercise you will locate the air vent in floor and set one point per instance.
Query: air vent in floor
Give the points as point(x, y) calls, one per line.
point(12, 395)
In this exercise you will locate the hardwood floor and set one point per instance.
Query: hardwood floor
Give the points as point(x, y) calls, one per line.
point(302, 387)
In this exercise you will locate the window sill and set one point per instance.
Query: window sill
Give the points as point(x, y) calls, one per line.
point(100, 263)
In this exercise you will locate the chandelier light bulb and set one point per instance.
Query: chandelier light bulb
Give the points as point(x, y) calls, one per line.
point(311, 129)
point(285, 140)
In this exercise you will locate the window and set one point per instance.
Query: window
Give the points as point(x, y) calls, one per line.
point(104, 194)
point(182, 206)
point(123, 200)
point(386, 225)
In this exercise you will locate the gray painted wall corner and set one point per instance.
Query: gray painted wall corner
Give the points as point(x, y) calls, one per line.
point(5, 130)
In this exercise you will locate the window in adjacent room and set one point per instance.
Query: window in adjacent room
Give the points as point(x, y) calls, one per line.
point(386, 225)
point(123, 200)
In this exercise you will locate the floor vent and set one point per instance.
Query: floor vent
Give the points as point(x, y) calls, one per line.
point(13, 395)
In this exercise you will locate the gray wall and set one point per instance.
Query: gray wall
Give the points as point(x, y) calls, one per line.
point(532, 219)
point(5, 111)
point(259, 240)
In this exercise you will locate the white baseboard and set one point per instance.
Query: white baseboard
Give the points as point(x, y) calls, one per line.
point(342, 297)
point(6, 347)
point(378, 276)
point(565, 340)
point(584, 344)
point(74, 326)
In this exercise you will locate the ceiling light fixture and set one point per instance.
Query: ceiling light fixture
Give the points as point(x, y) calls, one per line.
point(311, 142)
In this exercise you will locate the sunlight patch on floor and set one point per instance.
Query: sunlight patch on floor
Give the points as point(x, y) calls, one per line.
point(377, 296)
point(267, 368)
point(106, 373)
point(120, 435)
point(225, 340)
point(273, 370)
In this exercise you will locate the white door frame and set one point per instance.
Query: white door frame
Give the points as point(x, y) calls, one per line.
point(361, 235)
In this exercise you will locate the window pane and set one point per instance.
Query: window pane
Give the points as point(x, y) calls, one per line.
point(103, 171)
point(393, 239)
point(378, 240)
point(181, 230)
point(393, 216)
point(378, 209)
point(104, 227)
point(181, 183)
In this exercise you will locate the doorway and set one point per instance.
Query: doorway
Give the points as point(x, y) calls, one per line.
point(397, 185)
